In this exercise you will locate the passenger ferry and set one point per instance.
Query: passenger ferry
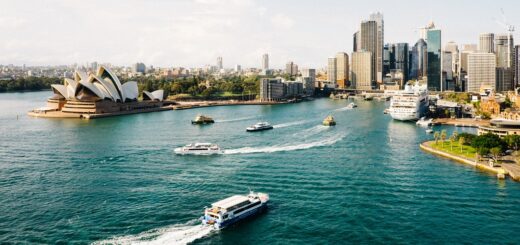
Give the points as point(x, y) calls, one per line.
point(228, 211)
point(261, 126)
point(201, 119)
point(199, 149)
point(329, 121)
point(352, 105)
point(409, 104)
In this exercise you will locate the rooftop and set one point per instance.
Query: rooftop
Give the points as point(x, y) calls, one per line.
point(230, 201)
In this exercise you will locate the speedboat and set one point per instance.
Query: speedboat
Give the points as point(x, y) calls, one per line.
point(329, 121)
point(199, 149)
point(228, 211)
point(429, 131)
point(201, 119)
point(423, 122)
point(352, 105)
point(261, 126)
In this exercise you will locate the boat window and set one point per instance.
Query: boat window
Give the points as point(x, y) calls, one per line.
point(246, 207)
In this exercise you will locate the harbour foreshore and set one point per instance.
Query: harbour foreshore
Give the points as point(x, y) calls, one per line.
point(461, 122)
point(499, 171)
point(168, 105)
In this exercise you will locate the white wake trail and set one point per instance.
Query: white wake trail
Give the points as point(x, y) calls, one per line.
point(235, 119)
point(311, 131)
point(278, 148)
point(343, 109)
point(290, 124)
point(176, 234)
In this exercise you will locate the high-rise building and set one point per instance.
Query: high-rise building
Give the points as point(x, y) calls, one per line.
point(423, 31)
point(342, 69)
point(516, 68)
point(487, 43)
point(139, 68)
point(447, 70)
point(453, 48)
point(265, 62)
point(401, 56)
point(220, 65)
point(462, 71)
point(332, 70)
point(504, 79)
point(362, 70)
point(291, 68)
point(309, 80)
point(238, 68)
point(481, 71)
point(356, 42)
point(504, 50)
point(369, 43)
point(434, 71)
point(419, 60)
point(378, 18)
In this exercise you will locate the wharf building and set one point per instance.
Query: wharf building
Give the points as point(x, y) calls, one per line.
point(97, 93)
point(279, 90)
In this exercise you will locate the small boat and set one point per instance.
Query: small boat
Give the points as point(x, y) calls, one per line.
point(261, 126)
point(429, 131)
point(201, 119)
point(329, 121)
point(352, 105)
point(228, 211)
point(199, 149)
point(423, 122)
point(386, 111)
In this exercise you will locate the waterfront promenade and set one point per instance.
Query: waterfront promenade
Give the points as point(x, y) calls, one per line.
point(501, 170)
point(461, 122)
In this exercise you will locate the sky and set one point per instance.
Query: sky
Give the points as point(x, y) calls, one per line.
point(193, 33)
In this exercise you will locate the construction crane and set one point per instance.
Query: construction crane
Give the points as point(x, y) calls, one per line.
point(510, 30)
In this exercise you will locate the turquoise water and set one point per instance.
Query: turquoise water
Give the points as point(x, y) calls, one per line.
point(363, 181)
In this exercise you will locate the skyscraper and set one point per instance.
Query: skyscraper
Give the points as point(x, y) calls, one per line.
point(369, 44)
point(401, 55)
point(265, 62)
point(462, 72)
point(487, 43)
point(380, 41)
point(481, 71)
point(356, 42)
point(362, 70)
point(291, 68)
point(419, 60)
point(517, 65)
point(342, 69)
point(219, 63)
point(332, 70)
point(504, 50)
point(434, 71)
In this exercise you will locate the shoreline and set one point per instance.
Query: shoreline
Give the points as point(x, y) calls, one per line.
point(499, 171)
point(171, 106)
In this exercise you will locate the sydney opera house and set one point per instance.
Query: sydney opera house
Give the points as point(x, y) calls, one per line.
point(98, 93)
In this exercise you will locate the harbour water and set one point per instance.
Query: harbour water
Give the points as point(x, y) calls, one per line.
point(117, 180)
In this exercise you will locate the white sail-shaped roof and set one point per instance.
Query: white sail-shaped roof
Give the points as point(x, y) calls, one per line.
point(130, 91)
point(102, 89)
point(110, 88)
point(158, 94)
point(89, 86)
point(104, 72)
point(60, 89)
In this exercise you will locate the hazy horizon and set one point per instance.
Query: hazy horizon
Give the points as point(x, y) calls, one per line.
point(192, 33)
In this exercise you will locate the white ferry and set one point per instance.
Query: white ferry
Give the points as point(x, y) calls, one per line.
point(352, 105)
point(261, 126)
point(409, 104)
point(199, 149)
point(233, 209)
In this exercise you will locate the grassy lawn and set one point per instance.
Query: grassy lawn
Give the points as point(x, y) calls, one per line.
point(467, 151)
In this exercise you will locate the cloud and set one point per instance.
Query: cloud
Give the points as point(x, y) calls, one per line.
point(282, 21)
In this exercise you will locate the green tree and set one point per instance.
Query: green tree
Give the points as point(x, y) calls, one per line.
point(512, 141)
point(444, 135)
point(495, 153)
point(436, 135)
point(462, 140)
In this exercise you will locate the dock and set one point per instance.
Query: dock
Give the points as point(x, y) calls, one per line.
point(461, 122)
point(513, 170)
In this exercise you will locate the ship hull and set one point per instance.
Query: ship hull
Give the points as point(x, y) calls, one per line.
point(249, 214)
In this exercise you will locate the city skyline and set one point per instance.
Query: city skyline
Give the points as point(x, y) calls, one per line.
point(195, 33)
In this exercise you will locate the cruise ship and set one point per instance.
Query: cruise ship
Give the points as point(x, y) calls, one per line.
point(199, 149)
point(409, 104)
point(233, 209)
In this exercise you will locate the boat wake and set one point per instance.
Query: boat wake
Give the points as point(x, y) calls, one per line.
point(290, 124)
point(176, 234)
point(235, 120)
point(343, 109)
point(311, 131)
point(279, 148)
